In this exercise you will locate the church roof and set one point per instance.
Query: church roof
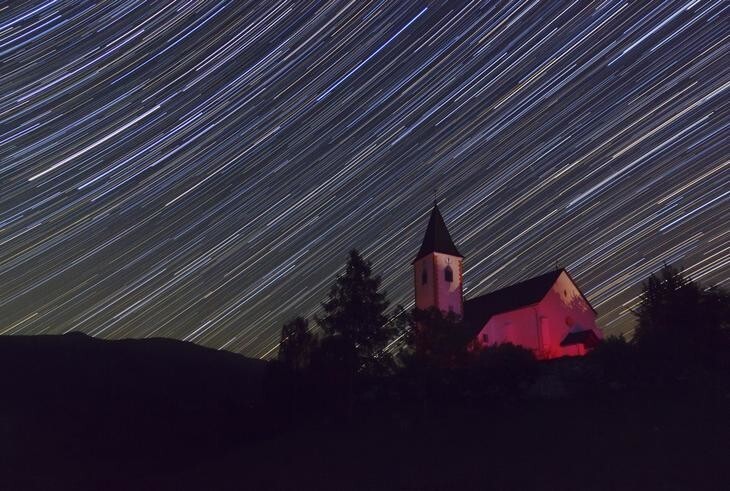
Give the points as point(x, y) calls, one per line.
point(437, 238)
point(478, 311)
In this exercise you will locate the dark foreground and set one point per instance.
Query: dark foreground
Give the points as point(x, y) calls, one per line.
point(84, 414)
point(548, 447)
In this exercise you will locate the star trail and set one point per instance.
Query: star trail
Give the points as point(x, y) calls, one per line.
point(199, 169)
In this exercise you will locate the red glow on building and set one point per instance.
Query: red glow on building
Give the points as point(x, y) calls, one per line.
point(547, 314)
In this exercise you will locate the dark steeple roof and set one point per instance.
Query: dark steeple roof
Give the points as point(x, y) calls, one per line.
point(437, 238)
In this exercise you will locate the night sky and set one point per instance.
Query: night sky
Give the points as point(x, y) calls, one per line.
point(199, 169)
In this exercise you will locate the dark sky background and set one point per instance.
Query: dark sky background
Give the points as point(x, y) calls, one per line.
point(199, 169)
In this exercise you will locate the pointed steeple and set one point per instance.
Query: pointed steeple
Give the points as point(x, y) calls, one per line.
point(437, 238)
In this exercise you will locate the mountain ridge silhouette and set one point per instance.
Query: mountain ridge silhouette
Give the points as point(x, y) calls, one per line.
point(155, 402)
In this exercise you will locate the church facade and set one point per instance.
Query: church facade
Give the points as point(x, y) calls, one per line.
point(547, 314)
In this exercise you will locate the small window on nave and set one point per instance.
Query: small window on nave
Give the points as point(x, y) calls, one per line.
point(448, 274)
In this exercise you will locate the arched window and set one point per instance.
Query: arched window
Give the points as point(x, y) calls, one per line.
point(448, 274)
point(424, 276)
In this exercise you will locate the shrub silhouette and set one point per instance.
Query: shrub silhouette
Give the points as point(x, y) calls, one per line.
point(611, 367)
point(438, 339)
point(503, 371)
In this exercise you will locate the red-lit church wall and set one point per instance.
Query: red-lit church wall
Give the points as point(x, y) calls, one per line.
point(516, 327)
point(541, 327)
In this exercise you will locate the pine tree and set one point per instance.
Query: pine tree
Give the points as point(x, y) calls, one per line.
point(354, 312)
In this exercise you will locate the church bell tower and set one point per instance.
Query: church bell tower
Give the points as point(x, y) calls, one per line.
point(437, 270)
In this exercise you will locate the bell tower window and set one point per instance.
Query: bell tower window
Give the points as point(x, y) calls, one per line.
point(448, 274)
point(424, 276)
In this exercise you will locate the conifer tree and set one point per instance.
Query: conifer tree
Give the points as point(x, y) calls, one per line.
point(354, 311)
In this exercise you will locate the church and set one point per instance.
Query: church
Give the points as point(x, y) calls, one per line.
point(547, 314)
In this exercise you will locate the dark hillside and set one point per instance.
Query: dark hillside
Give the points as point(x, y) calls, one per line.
point(79, 413)
point(561, 445)
point(136, 403)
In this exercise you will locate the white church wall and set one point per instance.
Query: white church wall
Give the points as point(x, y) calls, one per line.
point(516, 327)
point(425, 292)
point(436, 291)
point(448, 295)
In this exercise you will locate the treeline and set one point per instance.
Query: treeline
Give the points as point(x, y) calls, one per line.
point(360, 358)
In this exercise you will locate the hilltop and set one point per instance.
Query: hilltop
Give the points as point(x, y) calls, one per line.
point(80, 407)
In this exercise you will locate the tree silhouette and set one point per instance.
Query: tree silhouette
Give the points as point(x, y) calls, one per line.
point(683, 329)
point(667, 304)
point(672, 307)
point(501, 372)
point(296, 345)
point(436, 350)
point(440, 339)
point(286, 385)
point(355, 312)
point(612, 365)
